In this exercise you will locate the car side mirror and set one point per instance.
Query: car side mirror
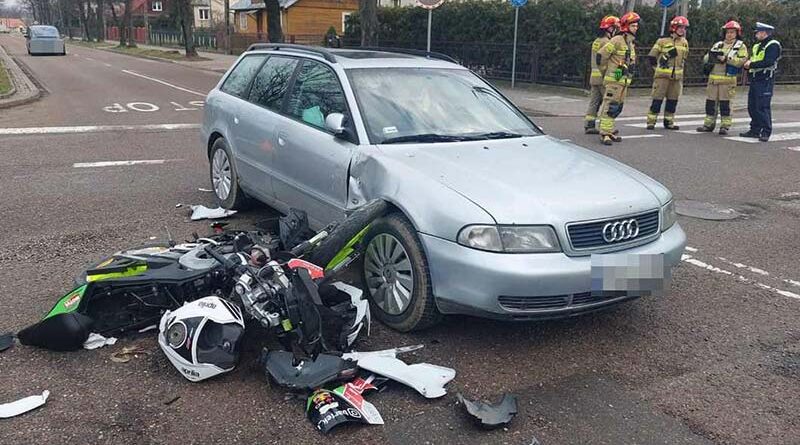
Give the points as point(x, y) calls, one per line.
point(335, 123)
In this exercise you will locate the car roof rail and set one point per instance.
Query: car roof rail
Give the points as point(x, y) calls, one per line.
point(294, 47)
point(412, 52)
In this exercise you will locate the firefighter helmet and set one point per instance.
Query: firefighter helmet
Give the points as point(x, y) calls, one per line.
point(627, 20)
point(733, 24)
point(608, 22)
point(678, 21)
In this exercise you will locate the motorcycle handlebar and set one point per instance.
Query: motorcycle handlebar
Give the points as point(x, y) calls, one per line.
point(226, 263)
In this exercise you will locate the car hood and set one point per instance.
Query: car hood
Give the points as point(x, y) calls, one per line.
point(534, 180)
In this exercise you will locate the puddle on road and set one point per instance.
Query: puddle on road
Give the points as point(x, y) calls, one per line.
point(706, 210)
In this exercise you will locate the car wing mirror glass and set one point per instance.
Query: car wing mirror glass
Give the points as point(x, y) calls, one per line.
point(335, 123)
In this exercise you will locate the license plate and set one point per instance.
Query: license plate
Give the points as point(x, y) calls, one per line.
point(635, 274)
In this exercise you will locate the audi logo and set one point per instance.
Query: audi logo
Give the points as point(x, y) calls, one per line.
point(620, 230)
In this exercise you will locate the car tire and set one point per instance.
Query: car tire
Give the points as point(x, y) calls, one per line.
point(419, 312)
point(222, 169)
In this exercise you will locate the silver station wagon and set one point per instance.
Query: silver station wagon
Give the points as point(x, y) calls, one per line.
point(491, 217)
point(44, 39)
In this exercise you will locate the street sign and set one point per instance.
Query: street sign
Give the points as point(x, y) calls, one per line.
point(666, 3)
point(430, 4)
point(518, 3)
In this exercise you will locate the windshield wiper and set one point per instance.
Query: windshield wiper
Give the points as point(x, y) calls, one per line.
point(426, 137)
point(498, 135)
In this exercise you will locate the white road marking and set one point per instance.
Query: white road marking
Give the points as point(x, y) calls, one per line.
point(677, 122)
point(120, 163)
point(774, 138)
point(643, 118)
point(641, 136)
point(690, 249)
point(95, 129)
point(695, 262)
point(108, 65)
point(162, 82)
point(744, 127)
point(744, 266)
point(142, 106)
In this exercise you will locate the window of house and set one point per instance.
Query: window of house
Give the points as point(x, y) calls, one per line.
point(316, 94)
point(271, 82)
point(158, 6)
point(345, 15)
point(242, 20)
point(204, 13)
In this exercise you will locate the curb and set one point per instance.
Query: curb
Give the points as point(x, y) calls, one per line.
point(19, 74)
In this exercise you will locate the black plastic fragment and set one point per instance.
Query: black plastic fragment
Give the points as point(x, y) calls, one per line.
point(6, 340)
point(62, 332)
point(491, 416)
point(307, 374)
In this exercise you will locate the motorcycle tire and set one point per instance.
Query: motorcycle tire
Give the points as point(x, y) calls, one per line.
point(345, 231)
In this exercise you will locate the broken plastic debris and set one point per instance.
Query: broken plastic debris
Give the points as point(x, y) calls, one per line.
point(125, 354)
point(382, 353)
point(306, 374)
point(23, 405)
point(426, 379)
point(202, 212)
point(201, 189)
point(352, 393)
point(98, 341)
point(488, 415)
point(152, 327)
point(6, 340)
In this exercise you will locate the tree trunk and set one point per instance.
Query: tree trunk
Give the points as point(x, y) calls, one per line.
point(101, 21)
point(368, 10)
point(187, 24)
point(114, 17)
point(124, 30)
point(83, 16)
point(131, 39)
point(274, 29)
point(627, 5)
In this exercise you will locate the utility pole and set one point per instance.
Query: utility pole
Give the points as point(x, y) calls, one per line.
point(227, 26)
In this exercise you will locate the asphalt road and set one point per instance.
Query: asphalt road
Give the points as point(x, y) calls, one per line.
point(717, 361)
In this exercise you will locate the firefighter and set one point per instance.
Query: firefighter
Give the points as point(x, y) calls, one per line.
point(722, 64)
point(619, 55)
point(669, 56)
point(608, 28)
point(761, 74)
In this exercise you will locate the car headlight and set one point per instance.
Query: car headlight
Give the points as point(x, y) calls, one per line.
point(668, 215)
point(510, 239)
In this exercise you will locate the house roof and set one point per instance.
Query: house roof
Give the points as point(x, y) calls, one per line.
point(11, 23)
point(250, 5)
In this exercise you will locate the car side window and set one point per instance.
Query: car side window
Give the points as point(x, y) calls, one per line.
point(237, 82)
point(272, 81)
point(316, 94)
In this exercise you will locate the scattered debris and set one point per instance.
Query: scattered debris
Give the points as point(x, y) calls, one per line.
point(326, 409)
point(152, 327)
point(491, 416)
point(201, 189)
point(6, 341)
point(178, 205)
point(22, 406)
point(352, 393)
point(172, 400)
point(202, 212)
point(125, 354)
point(426, 379)
point(286, 371)
point(98, 341)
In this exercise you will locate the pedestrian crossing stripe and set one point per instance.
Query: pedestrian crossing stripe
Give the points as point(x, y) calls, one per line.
point(774, 138)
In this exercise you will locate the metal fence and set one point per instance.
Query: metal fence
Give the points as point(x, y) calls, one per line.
point(241, 41)
point(170, 37)
point(569, 65)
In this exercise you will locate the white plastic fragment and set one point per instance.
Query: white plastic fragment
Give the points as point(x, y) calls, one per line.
point(425, 378)
point(98, 341)
point(202, 212)
point(22, 406)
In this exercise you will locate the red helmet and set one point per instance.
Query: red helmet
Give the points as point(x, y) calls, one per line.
point(609, 21)
point(678, 21)
point(733, 24)
point(627, 20)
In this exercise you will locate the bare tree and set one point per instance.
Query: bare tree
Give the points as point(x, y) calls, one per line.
point(101, 21)
point(126, 30)
point(368, 11)
point(274, 30)
point(186, 19)
point(83, 16)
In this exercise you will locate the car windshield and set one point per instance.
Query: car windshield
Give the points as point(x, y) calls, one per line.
point(404, 105)
point(44, 31)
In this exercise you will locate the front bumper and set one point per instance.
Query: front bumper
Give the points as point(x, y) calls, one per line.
point(550, 285)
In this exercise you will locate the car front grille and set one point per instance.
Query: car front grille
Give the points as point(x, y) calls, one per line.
point(555, 301)
point(590, 235)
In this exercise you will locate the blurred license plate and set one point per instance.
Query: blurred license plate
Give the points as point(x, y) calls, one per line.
point(636, 274)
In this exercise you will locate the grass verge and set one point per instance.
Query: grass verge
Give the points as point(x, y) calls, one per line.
point(167, 54)
point(5, 80)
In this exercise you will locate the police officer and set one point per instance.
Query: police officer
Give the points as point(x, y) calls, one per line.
point(669, 55)
point(761, 74)
point(608, 28)
point(723, 64)
point(619, 55)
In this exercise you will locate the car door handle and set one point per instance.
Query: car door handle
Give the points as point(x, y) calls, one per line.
point(235, 120)
point(281, 141)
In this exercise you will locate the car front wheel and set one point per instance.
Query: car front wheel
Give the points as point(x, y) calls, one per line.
point(396, 276)
point(224, 177)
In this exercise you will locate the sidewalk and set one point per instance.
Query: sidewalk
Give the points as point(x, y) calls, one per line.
point(23, 90)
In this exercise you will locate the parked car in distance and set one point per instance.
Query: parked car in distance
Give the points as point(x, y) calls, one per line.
point(491, 217)
point(45, 39)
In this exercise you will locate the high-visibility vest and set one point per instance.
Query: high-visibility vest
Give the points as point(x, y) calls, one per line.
point(759, 54)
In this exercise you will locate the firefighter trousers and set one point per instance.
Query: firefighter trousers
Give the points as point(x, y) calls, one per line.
point(613, 101)
point(671, 89)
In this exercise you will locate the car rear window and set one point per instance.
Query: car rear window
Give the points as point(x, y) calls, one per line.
point(45, 31)
point(271, 82)
point(239, 79)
